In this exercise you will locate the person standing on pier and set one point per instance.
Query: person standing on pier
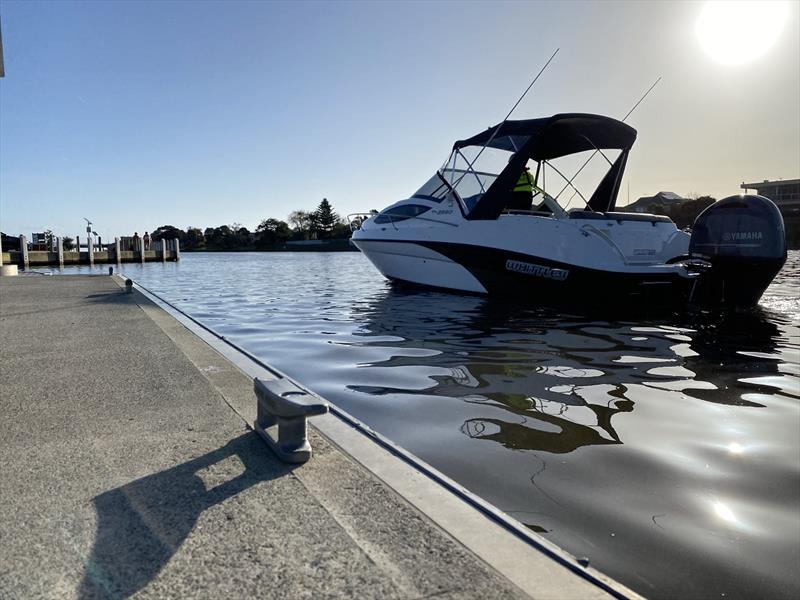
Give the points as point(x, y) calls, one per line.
point(146, 241)
point(135, 240)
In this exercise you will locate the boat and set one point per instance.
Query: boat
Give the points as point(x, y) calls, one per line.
point(463, 230)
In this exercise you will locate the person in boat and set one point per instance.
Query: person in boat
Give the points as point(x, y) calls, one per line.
point(522, 197)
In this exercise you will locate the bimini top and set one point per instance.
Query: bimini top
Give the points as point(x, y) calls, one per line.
point(556, 136)
point(546, 139)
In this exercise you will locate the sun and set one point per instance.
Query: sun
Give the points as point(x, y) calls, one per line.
point(737, 32)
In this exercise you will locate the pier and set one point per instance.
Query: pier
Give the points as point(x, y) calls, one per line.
point(121, 251)
point(131, 466)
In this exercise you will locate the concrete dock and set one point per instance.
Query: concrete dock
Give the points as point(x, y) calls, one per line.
point(130, 467)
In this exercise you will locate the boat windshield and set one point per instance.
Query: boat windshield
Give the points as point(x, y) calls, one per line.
point(436, 188)
point(470, 172)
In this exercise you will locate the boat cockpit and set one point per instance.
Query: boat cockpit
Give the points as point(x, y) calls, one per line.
point(469, 184)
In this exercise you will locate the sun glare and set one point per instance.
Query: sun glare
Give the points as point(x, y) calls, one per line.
point(737, 32)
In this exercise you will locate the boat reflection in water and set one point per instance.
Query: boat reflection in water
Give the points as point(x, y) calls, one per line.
point(527, 361)
point(595, 431)
point(540, 430)
point(707, 359)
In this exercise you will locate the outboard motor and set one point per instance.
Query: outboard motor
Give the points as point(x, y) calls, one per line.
point(744, 240)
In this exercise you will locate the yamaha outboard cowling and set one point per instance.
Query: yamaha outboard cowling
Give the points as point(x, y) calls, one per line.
point(744, 239)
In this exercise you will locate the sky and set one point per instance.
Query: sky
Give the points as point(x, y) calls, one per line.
point(141, 114)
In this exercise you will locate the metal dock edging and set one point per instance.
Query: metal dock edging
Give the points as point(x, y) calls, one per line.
point(511, 525)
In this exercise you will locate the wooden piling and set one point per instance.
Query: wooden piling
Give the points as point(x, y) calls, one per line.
point(23, 246)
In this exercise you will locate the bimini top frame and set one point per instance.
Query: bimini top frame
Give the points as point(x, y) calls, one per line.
point(549, 138)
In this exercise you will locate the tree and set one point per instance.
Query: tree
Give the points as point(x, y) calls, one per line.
point(68, 243)
point(300, 220)
point(241, 236)
point(324, 220)
point(685, 213)
point(194, 239)
point(271, 232)
point(168, 232)
point(342, 231)
point(220, 238)
point(225, 237)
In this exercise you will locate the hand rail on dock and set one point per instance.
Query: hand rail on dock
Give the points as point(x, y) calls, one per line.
point(122, 250)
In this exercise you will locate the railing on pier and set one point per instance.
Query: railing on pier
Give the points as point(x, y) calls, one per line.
point(94, 251)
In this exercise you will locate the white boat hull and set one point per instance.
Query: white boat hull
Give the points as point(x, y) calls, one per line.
point(413, 263)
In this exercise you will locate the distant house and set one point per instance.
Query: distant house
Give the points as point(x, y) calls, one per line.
point(9, 242)
point(646, 204)
point(784, 193)
point(39, 242)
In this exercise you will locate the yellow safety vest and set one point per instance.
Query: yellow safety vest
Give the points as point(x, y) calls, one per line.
point(525, 182)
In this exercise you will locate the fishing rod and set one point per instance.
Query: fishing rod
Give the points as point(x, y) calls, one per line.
point(635, 106)
point(497, 129)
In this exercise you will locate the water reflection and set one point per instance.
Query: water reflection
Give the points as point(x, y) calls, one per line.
point(538, 430)
point(537, 390)
point(560, 379)
point(740, 351)
point(724, 513)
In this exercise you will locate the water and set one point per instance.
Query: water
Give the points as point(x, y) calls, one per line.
point(665, 450)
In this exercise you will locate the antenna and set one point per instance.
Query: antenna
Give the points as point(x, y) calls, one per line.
point(635, 106)
point(497, 129)
point(527, 89)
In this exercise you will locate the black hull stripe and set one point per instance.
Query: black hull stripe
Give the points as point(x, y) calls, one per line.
point(540, 279)
point(735, 282)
